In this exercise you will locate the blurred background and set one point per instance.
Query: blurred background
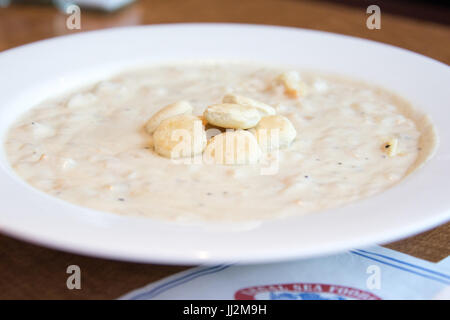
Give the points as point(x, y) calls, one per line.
point(403, 22)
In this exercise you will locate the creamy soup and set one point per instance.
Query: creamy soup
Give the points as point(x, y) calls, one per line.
point(90, 147)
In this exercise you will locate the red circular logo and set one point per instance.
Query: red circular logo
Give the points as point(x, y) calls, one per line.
point(303, 291)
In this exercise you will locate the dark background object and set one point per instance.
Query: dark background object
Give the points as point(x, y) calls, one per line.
point(431, 10)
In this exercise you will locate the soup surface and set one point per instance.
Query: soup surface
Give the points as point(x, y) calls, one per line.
point(90, 147)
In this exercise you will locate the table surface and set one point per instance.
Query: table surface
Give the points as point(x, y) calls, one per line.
point(31, 272)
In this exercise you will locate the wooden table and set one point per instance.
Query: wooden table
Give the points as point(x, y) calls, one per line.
point(32, 272)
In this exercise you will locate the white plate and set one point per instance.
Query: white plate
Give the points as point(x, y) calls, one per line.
point(40, 70)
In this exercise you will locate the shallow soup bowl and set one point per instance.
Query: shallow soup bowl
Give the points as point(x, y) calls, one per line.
point(41, 70)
